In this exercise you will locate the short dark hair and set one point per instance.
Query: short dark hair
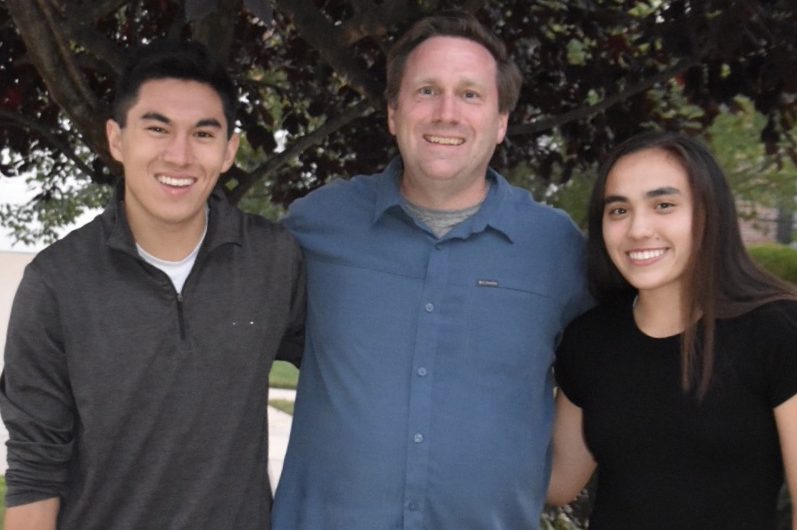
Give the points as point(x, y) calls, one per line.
point(168, 59)
point(454, 24)
point(721, 280)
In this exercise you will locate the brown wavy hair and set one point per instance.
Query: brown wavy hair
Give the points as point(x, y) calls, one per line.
point(454, 24)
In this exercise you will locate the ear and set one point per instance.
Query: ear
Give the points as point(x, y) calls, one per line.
point(502, 125)
point(114, 134)
point(391, 118)
point(230, 150)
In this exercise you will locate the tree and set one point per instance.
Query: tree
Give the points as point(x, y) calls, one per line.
point(311, 77)
point(759, 179)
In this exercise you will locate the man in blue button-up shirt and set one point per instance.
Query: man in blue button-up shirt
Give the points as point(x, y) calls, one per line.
point(437, 293)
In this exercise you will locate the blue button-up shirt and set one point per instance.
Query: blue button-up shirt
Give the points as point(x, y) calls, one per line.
point(425, 396)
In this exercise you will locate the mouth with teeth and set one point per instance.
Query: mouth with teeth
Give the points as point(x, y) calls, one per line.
point(444, 140)
point(646, 255)
point(174, 182)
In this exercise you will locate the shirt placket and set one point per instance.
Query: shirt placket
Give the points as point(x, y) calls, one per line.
point(419, 434)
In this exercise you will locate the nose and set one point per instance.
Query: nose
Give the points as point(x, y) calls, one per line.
point(640, 226)
point(447, 109)
point(178, 150)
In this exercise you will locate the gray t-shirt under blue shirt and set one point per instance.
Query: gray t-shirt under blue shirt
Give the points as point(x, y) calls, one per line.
point(440, 222)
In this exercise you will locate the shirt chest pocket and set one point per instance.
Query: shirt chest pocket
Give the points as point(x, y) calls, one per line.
point(512, 326)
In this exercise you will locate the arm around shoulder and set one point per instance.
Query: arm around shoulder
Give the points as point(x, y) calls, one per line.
point(786, 419)
point(292, 346)
point(573, 464)
point(39, 515)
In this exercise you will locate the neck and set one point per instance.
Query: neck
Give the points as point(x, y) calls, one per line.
point(659, 314)
point(443, 198)
point(169, 242)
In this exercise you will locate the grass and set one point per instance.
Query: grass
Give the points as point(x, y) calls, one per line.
point(779, 260)
point(285, 405)
point(283, 375)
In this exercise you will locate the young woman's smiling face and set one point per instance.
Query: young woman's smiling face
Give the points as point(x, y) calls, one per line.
point(647, 220)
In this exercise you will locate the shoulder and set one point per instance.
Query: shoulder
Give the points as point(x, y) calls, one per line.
point(784, 310)
point(521, 200)
point(600, 320)
point(76, 248)
point(761, 344)
point(230, 224)
point(258, 226)
point(361, 189)
point(772, 320)
point(69, 263)
point(774, 325)
point(587, 349)
point(336, 208)
point(519, 207)
point(594, 334)
point(265, 241)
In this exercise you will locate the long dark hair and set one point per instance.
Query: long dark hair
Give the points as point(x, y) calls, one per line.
point(721, 280)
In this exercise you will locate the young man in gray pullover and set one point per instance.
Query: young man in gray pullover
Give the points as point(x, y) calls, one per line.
point(138, 351)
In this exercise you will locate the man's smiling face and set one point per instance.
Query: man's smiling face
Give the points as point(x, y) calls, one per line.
point(173, 147)
point(446, 119)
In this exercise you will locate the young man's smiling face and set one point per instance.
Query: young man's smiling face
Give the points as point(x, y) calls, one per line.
point(446, 119)
point(173, 147)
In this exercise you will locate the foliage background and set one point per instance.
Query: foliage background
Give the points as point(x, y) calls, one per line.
point(311, 74)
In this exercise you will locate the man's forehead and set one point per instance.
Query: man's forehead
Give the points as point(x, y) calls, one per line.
point(173, 99)
point(432, 56)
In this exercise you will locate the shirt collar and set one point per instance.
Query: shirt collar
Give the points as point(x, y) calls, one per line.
point(223, 225)
point(493, 212)
point(388, 193)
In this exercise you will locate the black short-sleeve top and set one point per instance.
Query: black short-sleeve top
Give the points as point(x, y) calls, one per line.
point(667, 459)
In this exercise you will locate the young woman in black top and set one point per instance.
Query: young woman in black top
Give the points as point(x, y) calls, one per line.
point(681, 385)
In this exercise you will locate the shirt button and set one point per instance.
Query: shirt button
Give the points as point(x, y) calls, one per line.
point(422, 371)
point(418, 438)
point(429, 307)
point(412, 506)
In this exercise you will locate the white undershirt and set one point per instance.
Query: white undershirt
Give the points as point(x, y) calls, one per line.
point(177, 271)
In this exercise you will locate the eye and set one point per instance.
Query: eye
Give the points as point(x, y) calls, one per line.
point(156, 129)
point(204, 134)
point(617, 211)
point(664, 206)
point(471, 94)
point(426, 91)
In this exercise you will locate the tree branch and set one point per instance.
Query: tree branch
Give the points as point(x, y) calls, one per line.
point(471, 6)
point(51, 56)
point(35, 127)
point(317, 30)
point(546, 123)
point(62, 47)
point(217, 30)
point(275, 163)
point(374, 20)
point(100, 47)
point(90, 12)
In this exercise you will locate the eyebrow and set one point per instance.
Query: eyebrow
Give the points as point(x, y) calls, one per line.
point(205, 122)
point(666, 190)
point(431, 80)
point(652, 194)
